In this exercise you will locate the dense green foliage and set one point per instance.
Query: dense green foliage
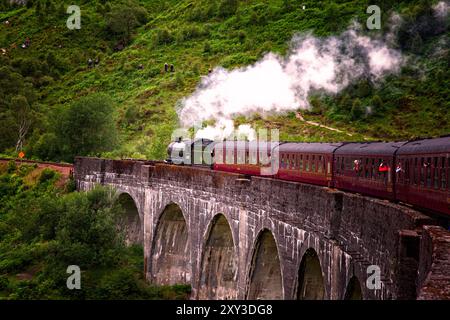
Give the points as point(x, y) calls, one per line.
point(133, 40)
point(83, 128)
point(44, 229)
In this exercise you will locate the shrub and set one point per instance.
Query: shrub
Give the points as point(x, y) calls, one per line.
point(357, 110)
point(377, 103)
point(163, 36)
point(4, 282)
point(206, 47)
point(227, 8)
point(132, 114)
point(87, 126)
point(119, 284)
point(124, 18)
point(12, 167)
point(192, 32)
point(46, 175)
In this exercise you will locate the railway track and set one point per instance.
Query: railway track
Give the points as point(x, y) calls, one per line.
point(66, 169)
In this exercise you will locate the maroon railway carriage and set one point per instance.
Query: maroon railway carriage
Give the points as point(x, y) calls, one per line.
point(366, 168)
point(251, 158)
point(423, 174)
point(306, 162)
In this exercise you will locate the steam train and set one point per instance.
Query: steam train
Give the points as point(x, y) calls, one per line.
point(413, 172)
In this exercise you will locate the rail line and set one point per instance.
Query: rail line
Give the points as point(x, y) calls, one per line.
point(65, 169)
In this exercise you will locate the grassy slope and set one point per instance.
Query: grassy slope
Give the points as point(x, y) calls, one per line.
point(235, 41)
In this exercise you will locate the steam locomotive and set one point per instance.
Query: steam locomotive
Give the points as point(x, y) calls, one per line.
point(414, 172)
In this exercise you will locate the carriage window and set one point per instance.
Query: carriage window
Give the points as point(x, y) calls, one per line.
point(416, 172)
point(384, 175)
point(347, 164)
point(428, 171)
point(406, 173)
point(379, 175)
point(329, 166)
point(366, 168)
point(301, 162)
point(436, 173)
point(313, 164)
point(253, 157)
point(293, 161)
point(422, 172)
point(399, 171)
point(444, 172)
point(240, 157)
point(360, 168)
point(229, 156)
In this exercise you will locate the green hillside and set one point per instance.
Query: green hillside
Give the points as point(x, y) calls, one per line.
point(41, 85)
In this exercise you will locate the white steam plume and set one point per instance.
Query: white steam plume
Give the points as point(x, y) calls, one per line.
point(441, 9)
point(278, 84)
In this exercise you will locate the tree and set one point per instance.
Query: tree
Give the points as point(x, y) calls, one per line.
point(416, 43)
point(377, 103)
point(124, 18)
point(87, 127)
point(332, 16)
point(344, 103)
point(22, 114)
point(357, 110)
point(317, 106)
point(17, 97)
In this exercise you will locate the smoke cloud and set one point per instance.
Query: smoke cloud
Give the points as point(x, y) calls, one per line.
point(441, 9)
point(277, 84)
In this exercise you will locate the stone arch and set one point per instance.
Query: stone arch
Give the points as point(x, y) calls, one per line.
point(218, 271)
point(354, 290)
point(130, 222)
point(170, 255)
point(265, 281)
point(310, 284)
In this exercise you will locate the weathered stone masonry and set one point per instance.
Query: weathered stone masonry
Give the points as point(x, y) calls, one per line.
point(233, 237)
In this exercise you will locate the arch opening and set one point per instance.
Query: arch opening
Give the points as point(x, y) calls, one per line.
point(218, 277)
point(170, 261)
point(130, 222)
point(310, 278)
point(353, 291)
point(265, 270)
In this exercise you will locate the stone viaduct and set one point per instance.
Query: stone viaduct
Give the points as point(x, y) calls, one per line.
point(236, 237)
